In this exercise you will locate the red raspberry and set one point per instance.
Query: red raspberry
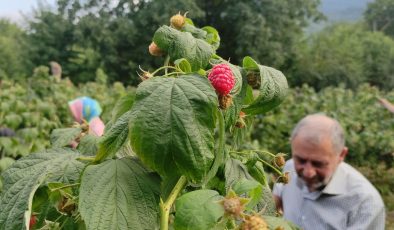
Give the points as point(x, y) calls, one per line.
point(222, 79)
point(33, 221)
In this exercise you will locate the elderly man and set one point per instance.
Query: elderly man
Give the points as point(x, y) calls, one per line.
point(324, 192)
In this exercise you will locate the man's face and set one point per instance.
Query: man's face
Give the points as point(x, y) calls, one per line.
point(314, 163)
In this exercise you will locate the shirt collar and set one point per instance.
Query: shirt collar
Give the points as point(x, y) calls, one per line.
point(336, 186)
point(338, 183)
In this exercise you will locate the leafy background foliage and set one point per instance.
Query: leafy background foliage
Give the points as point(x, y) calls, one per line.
point(96, 40)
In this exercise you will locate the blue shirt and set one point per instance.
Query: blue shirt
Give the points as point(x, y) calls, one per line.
point(349, 201)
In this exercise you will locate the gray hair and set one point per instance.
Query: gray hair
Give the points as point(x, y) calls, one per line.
point(316, 132)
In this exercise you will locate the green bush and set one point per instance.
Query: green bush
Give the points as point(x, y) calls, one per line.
point(369, 127)
point(345, 54)
point(34, 109)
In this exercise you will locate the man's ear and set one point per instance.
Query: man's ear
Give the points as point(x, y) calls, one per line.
point(343, 154)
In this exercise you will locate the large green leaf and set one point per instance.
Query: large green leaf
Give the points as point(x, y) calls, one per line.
point(234, 171)
point(173, 125)
point(123, 105)
point(63, 137)
point(16, 205)
point(273, 88)
point(279, 223)
point(115, 138)
point(179, 45)
point(119, 194)
point(251, 188)
point(198, 210)
point(23, 178)
point(88, 145)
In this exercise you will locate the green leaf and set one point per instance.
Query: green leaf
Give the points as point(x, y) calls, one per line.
point(5, 162)
point(234, 171)
point(212, 37)
point(119, 194)
point(88, 145)
point(123, 105)
point(23, 178)
point(63, 137)
point(16, 204)
point(196, 32)
point(273, 88)
point(198, 210)
point(173, 125)
point(183, 45)
point(184, 65)
point(232, 113)
point(276, 222)
point(251, 188)
point(267, 203)
point(115, 138)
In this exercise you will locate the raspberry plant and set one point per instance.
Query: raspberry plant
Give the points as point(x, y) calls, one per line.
point(164, 161)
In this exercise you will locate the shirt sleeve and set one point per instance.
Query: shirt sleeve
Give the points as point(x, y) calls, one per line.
point(278, 189)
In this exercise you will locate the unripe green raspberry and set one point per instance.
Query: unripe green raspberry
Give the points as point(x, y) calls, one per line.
point(178, 21)
point(254, 222)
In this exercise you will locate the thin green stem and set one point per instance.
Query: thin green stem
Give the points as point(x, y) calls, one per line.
point(166, 61)
point(220, 155)
point(174, 73)
point(269, 165)
point(65, 186)
point(86, 158)
point(164, 67)
point(262, 151)
point(166, 206)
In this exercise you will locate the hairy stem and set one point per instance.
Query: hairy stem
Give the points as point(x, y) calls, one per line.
point(166, 62)
point(166, 206)
point(65, 186)
point(269, 165)
point(86, 158)
point(220, 155)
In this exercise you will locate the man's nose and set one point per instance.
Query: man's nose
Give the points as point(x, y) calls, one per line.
point(308, 171)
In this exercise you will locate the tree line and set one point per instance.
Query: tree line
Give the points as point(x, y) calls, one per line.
point(86, 36)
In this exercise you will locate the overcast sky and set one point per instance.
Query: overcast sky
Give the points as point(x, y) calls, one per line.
point(12, 9)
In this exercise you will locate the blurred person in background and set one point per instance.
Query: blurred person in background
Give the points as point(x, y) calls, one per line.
point(86, 110)
point(324, 192)
point(389, 106)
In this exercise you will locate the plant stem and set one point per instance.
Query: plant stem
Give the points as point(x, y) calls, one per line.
point(164, 67)
point(166, 61)
point(220, 155)
point(65, 186)
point(262, 151)
point(166, 206)
point(86, 158)
point(269, 165)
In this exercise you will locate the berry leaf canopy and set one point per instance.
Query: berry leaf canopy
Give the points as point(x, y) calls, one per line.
point(179, 45)
point(119, 194)
point(63, 137)
point(177, 117)
point(279, 223)
point(273, 88)
point(198, 210)
point(23, 178)
point(115, 138)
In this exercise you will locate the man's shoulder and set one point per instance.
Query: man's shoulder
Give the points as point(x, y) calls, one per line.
point(358, 185)
point(289, 166)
